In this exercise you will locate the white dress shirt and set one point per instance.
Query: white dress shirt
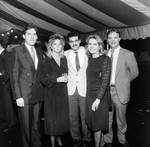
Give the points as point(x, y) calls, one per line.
point(0, 54)
point(1, 50)
point(114, 64)
point(81, 55)
point(36, 59)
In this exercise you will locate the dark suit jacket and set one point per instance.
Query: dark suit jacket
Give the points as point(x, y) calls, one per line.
point(4, 68)
point(25, 79)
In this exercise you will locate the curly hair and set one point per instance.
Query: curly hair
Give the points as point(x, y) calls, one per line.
point(52, 38)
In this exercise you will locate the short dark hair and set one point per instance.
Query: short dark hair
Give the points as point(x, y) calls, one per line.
point(3, 43)
point(72, 34)
point(30, 26)
point(113, 30)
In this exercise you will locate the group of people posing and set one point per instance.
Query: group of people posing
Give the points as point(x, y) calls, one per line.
point(80, 87)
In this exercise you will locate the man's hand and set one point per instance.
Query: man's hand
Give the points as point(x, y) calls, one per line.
point(20, 102)
point(95, 104)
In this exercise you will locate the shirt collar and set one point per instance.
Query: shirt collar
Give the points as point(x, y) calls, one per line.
point(116, 48)
point(81, 49)
point(2, 50)
point(28, 46)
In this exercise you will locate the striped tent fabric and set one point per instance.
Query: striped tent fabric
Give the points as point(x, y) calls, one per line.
point(85, 16)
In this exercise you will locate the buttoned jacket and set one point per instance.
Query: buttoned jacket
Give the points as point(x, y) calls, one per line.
point(25, 79)
point(76, 79)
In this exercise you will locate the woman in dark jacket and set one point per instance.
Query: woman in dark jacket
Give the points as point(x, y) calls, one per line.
point(54, 79)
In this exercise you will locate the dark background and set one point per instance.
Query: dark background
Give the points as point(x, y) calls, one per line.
point(138, 112)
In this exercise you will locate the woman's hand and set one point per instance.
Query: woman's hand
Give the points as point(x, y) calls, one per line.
point(95, 104)
point(63, 79)
point(20, 102)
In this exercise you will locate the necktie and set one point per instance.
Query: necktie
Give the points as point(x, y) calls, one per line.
point(33, 54)
point(77, 61)
point(112, 53)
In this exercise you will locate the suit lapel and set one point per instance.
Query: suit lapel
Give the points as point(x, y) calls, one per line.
point(38, 58)
point(119, 61)
point(28, 56)
point(72, 62)
point(84, 63)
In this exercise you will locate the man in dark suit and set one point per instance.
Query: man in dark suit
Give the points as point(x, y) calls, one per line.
point(25, 73)
point(124, 71)
point(5, 91)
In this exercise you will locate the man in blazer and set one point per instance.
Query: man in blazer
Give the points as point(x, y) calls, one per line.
point(77, 89)
point(5, 90)
point(124, 70)
point(25, 73)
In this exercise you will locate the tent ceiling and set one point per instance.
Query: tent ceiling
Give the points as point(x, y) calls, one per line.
point(63, 16)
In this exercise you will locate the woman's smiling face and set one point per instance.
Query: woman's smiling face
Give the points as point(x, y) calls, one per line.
point(93, 46)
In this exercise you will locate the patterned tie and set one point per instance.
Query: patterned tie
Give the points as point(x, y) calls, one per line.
point(33, 54)
point(77, 61)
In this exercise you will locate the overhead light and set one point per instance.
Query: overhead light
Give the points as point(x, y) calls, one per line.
point(11, 31)
point(16, 36)
point(8, 33)
point(2, 34)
